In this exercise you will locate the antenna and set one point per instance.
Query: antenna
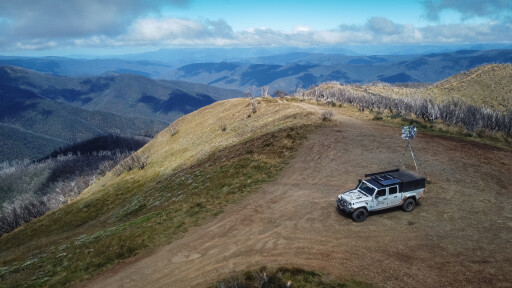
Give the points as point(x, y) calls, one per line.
point(409, 133)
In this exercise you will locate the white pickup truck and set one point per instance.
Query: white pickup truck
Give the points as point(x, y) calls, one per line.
point(382, 190)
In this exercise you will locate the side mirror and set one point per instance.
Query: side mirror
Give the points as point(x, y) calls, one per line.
point(359, 180)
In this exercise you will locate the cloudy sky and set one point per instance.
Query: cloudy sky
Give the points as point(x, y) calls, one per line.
point(122, 26)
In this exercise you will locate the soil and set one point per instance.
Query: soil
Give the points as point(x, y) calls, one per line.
point(460, 235)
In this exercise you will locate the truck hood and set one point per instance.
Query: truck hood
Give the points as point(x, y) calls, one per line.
point(354, 196)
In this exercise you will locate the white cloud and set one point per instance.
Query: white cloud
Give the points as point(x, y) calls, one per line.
point(382, 25)
point(150, 30)
point(168, 32)
point(492, 9)
point(301, 28)
point(46, 20)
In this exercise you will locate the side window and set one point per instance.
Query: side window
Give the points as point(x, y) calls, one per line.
point(392, 190)
point(380, 193)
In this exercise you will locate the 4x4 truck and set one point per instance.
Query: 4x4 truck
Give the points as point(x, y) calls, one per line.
point(382, 190)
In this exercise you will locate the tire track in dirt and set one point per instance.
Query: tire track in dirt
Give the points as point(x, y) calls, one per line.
point(459, 237)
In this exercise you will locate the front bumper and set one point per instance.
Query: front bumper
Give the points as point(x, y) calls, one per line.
point(344, 206)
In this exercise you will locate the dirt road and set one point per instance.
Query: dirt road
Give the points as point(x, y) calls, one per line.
point(461, 235)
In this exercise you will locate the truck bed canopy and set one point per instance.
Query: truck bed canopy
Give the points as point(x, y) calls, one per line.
point(406, 180)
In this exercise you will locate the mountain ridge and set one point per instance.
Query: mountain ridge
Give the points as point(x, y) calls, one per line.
point(277, 75)
point(74, 109)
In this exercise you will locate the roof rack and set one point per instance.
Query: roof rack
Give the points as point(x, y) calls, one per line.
point(383, 172)
point(386, 179)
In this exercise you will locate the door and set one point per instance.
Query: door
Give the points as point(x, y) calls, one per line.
point(393, 196)
point(381, 199)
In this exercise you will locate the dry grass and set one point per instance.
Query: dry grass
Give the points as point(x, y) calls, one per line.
point(487, 85)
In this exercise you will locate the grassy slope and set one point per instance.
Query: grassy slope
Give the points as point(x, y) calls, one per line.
point(190, 177)
point(487, 85)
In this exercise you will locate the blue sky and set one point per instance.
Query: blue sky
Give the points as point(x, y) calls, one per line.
point(284, 15)
point(61, 27)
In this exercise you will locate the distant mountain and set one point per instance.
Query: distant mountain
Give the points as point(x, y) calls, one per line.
point(121, 94)
point(41, 112)
point(285, 55)
point(311, 69)
point(185, 56)
point(63, 66)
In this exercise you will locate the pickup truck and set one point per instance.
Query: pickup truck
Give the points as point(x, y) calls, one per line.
point(382, 190)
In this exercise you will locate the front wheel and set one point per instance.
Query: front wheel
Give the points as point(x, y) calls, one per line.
point(409, 205)
point(359, 215)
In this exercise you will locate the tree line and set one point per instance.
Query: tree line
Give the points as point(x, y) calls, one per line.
point(453, 112)
point(30, 189)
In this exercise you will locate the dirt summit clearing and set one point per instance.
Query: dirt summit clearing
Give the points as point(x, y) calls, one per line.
point(461, 235)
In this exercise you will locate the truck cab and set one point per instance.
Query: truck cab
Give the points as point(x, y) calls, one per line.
point(382, 190)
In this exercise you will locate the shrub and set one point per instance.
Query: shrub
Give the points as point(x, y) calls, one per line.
point(327, 115)
point(284, 277)
point(135, 160)
point(173, 129)
point(280, 93)
point(254, 106)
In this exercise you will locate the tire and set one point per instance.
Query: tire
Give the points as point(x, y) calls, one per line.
point(409, 205)
point(359, 215)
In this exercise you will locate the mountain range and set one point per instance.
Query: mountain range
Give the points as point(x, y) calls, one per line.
point(41, 112)
point(63, 66)
point(290, 71)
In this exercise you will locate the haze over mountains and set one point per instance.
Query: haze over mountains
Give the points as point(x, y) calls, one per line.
point(286, 69)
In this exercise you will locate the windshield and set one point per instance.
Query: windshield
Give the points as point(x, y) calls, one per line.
point(367, 189)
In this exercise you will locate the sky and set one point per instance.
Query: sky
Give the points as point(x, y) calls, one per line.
point(65, 27)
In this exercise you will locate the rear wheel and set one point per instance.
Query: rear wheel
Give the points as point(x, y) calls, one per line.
point(359, 215)
point(409, 205)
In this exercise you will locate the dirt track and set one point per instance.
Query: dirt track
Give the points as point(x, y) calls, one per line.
point(461, 235)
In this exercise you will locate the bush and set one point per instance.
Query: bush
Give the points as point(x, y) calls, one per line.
point(284, 277)
point(173, 129)
point(327, 115)
point(254, 106)
point(135, 160)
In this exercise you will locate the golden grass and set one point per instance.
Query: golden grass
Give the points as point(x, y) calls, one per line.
point(199, 134)
point(487, 85)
